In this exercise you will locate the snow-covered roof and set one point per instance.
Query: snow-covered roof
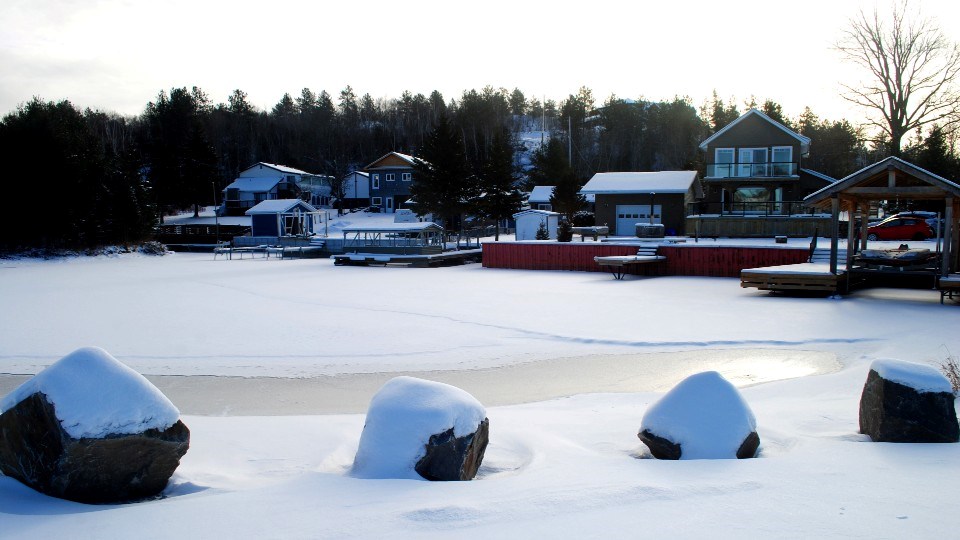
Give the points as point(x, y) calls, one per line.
point(851, 180)
point(361, 173)
point(280, 168)
point(804, 141)
point(405, 157)
point(254, 183)
point(541, 194)
point(279, 206)
point(537, 212)
point(640, 182)
point(821, 176)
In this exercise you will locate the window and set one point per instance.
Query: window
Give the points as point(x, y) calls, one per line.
point(375, 201)
point(390, 177)
point(753, 162)
point(406, 177)
point(751, 199)
point(723, 162)
point(375, 181)
point(782, 161)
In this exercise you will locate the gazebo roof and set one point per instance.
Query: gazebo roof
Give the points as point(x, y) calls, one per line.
point(875, 182)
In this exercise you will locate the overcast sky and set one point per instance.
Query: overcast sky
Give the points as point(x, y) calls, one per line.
point(116, 55)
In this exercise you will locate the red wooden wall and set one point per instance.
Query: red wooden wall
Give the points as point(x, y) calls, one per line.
point(682, 259)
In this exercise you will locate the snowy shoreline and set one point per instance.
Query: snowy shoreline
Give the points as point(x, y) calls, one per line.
point(508, 385)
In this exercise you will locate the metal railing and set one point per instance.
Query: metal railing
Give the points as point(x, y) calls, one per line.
point(768, 208)
point(753, 170)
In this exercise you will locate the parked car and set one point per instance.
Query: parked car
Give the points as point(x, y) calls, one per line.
point(900, 228)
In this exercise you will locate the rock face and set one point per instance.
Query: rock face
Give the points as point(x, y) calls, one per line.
point(896, 405)
point(422, 429)
point(702, 417)
point(448, 457)
point(90, 429)
point(37, 451)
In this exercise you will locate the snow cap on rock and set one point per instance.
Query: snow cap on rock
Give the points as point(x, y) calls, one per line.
point(95, 395)
point(920, 377)
point(402, 417)
point(705, 414)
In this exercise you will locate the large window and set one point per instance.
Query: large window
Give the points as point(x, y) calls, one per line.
point(376, 201)
point(753, 162)
point(751, 199)
point(406, 177)
point(723, 159)
point(375, 181)
point(390, 177)
point(782, 161)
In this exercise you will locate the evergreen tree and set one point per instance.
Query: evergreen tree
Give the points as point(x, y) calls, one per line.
point(84, 157)
point(498, 182)
point(442, 184)
point(566, 197)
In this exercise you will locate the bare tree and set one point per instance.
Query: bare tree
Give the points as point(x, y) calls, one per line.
point(913, 68)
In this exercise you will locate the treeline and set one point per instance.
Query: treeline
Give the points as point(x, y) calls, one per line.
point(87, 178)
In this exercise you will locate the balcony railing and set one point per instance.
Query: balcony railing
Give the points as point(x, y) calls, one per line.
point(753, 170)
point(767, 208)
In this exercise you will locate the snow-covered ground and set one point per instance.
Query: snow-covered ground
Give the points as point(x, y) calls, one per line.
point(566, 467)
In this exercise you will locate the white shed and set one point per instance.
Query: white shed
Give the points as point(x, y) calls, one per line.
point(529, 221)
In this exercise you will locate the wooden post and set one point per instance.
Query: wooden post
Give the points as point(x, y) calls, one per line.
point(835, 232)
point(864, 223)
point(851, 219)
point(946, 264)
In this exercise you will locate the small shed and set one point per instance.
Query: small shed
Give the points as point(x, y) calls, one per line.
point(529, 221)
point(283, 217)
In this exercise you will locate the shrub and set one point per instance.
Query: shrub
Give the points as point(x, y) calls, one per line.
point(542, 232)
point(564, 231)
point(951, 369)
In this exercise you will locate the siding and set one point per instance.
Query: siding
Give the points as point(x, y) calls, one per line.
point(682, 260)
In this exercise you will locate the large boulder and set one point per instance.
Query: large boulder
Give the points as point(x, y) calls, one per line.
point(422, 429)
point(91, 429)
point(702, 417)
point(908, 402)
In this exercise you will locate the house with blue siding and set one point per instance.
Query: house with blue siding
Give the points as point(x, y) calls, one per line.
point(283, 217)
point(390, 179)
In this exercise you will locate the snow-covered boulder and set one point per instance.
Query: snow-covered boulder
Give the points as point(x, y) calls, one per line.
point(417, 427)
point(91, 429)
point(907, 402)
point(702, 417)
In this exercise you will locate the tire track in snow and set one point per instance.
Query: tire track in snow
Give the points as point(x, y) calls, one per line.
point(548, 336)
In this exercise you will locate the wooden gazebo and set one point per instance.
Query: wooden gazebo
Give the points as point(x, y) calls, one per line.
point(889, 179)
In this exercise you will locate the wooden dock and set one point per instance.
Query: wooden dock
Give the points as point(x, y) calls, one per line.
point(447, 258)
point(811, 277)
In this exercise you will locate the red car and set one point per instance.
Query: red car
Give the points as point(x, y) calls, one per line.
point(900, 228)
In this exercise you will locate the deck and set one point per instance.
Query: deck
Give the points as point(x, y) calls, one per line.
point(812, 277)
point(448, 258)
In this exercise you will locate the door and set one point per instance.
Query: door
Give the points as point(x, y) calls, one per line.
point(389, 205)
point(628, 215)
point(753, 162)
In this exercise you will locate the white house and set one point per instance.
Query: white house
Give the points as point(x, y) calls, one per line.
point(262, 182)
point(540, 198)
point(356, 189)
point(529, 221)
